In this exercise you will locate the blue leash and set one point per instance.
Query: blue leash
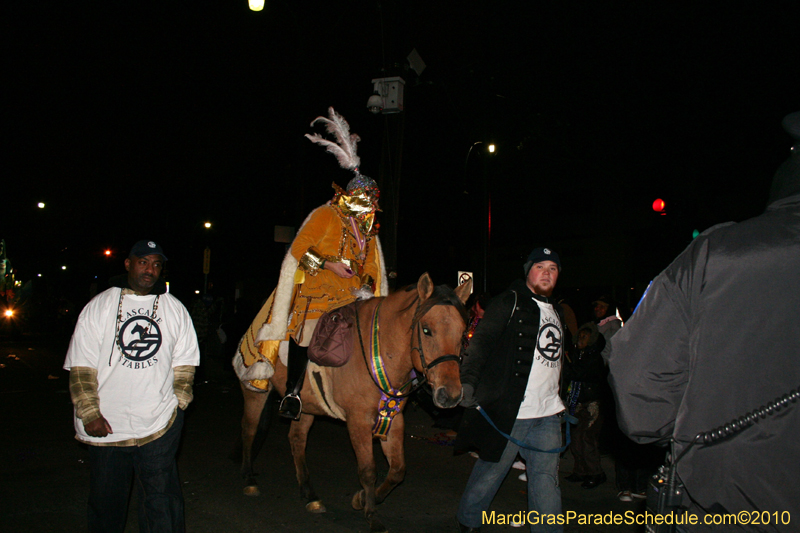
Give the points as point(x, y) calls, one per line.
point(569, 418)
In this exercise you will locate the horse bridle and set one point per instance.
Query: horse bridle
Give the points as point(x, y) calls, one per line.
point(438, 360)
point(425, 366)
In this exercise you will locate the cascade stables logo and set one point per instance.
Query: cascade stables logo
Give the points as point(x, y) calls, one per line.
point(139, 339)
point(548, 345)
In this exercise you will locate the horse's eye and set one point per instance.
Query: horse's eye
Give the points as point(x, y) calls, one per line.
point(427, 331)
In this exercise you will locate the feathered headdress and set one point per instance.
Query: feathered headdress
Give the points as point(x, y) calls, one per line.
point(360, 201)
point(345, 151)
point(346, 143)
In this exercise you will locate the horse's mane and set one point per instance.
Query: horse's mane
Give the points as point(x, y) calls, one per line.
point(442, 295)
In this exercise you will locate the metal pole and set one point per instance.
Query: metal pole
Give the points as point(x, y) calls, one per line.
point(487, 207)
point(206, 268)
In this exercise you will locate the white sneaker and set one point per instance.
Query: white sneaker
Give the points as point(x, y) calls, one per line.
point(625, 496)
point(519, 465)
point(639, 495)
point(523, 477)
point(517, 524)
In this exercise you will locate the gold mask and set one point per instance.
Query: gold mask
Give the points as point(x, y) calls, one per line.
point(360, 205)
point(356, 205)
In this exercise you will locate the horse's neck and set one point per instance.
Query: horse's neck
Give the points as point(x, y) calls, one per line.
point(396, 315)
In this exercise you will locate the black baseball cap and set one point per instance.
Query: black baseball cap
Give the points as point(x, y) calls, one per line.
point(541, 254)
point(143, 248)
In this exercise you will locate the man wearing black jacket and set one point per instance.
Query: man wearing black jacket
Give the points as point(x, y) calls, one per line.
point(512, 370)
point(715, 339)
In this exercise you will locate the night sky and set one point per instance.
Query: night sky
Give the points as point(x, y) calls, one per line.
point(138, 120)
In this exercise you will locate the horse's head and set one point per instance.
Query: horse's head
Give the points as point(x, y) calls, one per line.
point(437, 329)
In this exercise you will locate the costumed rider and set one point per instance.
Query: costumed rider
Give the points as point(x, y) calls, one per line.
point(335, 259)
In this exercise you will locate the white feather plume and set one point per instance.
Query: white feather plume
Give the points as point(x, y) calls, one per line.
point(346, 143)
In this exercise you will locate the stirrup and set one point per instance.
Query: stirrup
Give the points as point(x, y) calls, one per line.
point(292, 408)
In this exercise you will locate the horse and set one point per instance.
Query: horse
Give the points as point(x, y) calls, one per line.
point(419, 328)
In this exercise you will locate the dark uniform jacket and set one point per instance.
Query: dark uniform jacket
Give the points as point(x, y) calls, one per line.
point(497, 363)
point(587, 367)
point(716, 337)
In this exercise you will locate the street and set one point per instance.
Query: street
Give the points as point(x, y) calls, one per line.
point(46, 478)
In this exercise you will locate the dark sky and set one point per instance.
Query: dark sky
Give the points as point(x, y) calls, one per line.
point(142, 120)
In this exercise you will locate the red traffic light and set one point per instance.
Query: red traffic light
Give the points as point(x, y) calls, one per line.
point(659, 206)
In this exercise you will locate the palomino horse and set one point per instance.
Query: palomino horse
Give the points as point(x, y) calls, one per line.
point(420, 328)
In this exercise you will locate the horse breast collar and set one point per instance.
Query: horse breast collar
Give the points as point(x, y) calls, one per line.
point(392, 400)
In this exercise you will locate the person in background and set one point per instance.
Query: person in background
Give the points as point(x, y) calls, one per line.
point(585, 374)
point(477, 307)
point(570, 318)
point(131, 365)
point(605, 316)
point(633, 464)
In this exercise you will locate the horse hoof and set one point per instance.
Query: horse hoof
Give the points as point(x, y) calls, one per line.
point(376, 526)
point(358, 500)
point(252, 490)
point(315, 507)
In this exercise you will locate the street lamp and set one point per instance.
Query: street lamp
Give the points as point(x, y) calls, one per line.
point(489, 148)
point(256, 5)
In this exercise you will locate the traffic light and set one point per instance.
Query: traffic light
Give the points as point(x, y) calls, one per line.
point(660, 206)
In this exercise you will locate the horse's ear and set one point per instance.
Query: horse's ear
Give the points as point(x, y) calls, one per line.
point(425, 287)
point(464, 290)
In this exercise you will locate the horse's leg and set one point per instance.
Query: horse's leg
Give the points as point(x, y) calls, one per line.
point(361, 439)
point(254, 404)
point(262, 429)
point(298, 437)
point(261, 435)
point(393, 450)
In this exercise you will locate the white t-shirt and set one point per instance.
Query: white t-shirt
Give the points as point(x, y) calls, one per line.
point(541, 394)
point(135, 376)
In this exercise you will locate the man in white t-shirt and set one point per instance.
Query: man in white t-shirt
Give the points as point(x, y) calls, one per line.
point(512, 369)
point(132, 359)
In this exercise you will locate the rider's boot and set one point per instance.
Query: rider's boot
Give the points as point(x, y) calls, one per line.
point(291, 406)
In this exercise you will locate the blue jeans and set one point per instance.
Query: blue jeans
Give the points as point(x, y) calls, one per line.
point(157, 485)
point(544, 494)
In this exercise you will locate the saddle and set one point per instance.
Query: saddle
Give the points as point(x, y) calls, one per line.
point(332, 342)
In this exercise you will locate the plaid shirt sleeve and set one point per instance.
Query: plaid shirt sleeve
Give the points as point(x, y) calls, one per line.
point(184, 378)
point(83, 390)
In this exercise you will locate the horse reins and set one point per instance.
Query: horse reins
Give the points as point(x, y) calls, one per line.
point(425, 367)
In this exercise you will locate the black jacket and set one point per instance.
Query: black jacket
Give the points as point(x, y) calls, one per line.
point(716, 337)
point(497, 363)
point(587, 367)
